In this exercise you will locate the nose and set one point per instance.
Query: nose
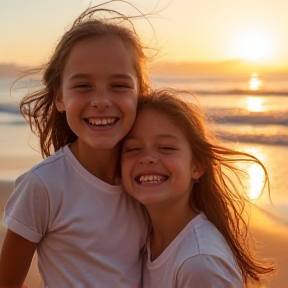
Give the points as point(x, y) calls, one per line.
point(148, 158)
point(100, 99)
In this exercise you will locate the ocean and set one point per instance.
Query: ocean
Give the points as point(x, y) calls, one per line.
point(249, 112)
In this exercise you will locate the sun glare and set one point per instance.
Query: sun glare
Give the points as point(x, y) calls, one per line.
point(256, 174)
point(254, 104)
point(256, 181)
point(253, 45)
point(254, 82)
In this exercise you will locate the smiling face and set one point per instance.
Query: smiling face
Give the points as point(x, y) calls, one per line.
point(157, 161)
point(99, 92)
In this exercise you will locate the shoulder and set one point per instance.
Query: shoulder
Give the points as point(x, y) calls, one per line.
point(42, 174)
point(205, 238)
point(209, 271)
point(50, 163)
point(205, 257)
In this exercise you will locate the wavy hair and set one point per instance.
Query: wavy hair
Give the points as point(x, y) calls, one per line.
point(218, 194)
point(39, 107)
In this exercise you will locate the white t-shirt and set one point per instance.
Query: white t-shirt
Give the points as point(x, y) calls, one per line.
point(198, 257)
point(90, 233)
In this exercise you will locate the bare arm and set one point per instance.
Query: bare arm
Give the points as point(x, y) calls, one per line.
point(15, 259)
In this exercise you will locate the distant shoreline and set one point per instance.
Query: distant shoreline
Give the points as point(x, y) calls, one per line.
point(233, 66)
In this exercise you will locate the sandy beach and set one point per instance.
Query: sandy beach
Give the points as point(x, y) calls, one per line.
point(270, 232)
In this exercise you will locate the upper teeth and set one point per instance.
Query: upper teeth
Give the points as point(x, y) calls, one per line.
point(103, 121)
point(151, 178)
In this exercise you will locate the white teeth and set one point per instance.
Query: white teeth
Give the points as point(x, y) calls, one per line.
point(151, 179)
point(101, 122)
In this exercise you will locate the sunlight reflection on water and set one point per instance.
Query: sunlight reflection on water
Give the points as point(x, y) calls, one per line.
point(254, 83)
point(256, 181)
point(272, 157)
point(254, 104)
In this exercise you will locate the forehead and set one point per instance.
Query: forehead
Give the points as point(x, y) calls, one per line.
point(105, 52)
point(154, 122)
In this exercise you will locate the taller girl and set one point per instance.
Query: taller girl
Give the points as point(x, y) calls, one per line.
point(70, 207)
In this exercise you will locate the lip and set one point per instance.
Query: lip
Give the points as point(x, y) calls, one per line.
point(102, 123)
point(150, 178)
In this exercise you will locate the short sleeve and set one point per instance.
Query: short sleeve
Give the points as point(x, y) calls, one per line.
point(207, 271)
point(27, 209)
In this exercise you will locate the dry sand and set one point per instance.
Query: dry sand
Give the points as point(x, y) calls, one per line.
point(272, 241)
point(271, 234)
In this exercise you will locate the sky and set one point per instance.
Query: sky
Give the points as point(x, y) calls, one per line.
point(185, 31)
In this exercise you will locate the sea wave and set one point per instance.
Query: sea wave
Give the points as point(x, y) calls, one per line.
point(242, 116)
point(9, 108)
point(261, 92)
point(10, 114)
point(267, 139)
point(220, 85)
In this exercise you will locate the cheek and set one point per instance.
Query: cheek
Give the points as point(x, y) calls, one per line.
point(72, 112)
point(128, 170)
point(129, 116)
point(127, 181)
point(125, 169)
point(132, 106)
point(68, 104)
point(182, 167)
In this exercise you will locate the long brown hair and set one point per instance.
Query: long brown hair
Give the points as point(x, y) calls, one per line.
point(217, 193)
point(39, 107)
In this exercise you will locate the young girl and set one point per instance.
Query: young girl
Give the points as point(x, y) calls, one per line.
point(71, 207)
point(178, 171)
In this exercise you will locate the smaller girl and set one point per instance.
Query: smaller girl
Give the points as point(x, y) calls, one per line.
point(180, 173)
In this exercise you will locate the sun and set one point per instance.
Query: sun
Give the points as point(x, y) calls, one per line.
point(253, 45)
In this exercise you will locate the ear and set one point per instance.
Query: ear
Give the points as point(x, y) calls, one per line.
point(197, 171)
point(60, 105)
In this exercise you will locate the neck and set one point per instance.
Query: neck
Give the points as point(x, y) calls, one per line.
point(167, 224)
point(103, 164)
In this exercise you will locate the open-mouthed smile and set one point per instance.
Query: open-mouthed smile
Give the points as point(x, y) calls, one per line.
point(150, 179)
point(110, 121)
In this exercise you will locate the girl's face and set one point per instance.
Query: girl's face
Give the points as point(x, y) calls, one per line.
point(157, 161)
point(99, 92)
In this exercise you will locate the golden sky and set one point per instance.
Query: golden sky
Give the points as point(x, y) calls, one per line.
point(187, 30)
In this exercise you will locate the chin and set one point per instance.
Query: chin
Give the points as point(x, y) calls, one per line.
point(148, 201)
point(105, 145)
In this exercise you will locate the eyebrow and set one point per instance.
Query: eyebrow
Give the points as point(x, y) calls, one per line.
point(87, 75)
